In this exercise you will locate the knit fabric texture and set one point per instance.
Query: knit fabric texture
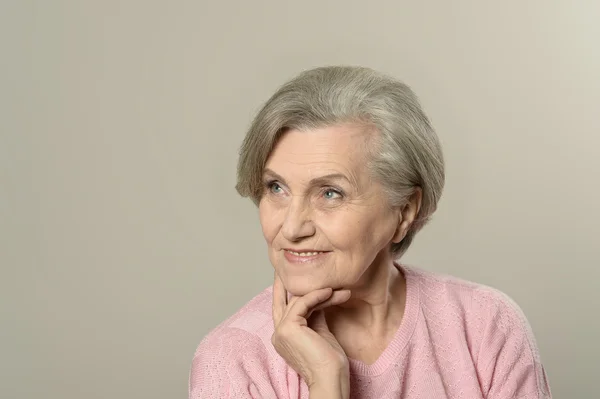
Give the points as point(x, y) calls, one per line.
point(457, 340)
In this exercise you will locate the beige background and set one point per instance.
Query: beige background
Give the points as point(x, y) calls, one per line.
point(122, 240)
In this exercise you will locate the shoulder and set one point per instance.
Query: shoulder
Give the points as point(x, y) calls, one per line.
point(498, 334)
point(235, 354)
point(477, 306)
point(466, 297)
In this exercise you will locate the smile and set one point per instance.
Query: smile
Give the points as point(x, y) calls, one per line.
point(304, 256)
point(305, 253)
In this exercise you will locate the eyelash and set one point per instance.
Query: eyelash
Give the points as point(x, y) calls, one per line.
point(333, 190)
point(270, 183)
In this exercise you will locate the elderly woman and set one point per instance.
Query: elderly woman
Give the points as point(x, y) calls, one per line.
point(345, 169)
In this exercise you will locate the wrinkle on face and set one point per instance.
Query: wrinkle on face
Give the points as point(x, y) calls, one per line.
point(356, 229)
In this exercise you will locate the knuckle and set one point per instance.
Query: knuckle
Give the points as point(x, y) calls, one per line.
point(283, 331)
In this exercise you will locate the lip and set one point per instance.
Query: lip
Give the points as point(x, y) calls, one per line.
point(292, 258)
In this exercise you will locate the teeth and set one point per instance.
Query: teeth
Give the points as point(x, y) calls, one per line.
point(304, 253)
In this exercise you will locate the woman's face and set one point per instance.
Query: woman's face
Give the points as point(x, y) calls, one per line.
point(325, 220)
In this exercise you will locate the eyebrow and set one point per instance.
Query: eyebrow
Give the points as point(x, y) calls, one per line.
point(314, 182)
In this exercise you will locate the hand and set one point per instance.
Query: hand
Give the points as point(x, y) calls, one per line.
point(303, 339)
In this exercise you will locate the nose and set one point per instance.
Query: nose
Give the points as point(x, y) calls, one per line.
point(298, 222)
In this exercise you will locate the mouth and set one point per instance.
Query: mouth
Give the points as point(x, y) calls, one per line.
point(304, 255)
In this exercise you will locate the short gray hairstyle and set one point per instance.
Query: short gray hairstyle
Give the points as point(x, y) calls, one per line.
point(406, 153)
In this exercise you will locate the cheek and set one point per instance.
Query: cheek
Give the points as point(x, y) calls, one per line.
point(360, 232)
point(341, 229)
point(269, 221)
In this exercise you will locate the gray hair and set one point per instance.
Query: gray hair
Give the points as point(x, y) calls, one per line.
point(406, 154)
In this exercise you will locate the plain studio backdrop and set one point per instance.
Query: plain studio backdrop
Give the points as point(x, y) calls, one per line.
point(123, 241)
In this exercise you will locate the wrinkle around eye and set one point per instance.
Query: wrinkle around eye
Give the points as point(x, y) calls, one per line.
point(338, 195)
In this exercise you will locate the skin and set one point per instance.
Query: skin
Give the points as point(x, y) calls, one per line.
point(348, 300)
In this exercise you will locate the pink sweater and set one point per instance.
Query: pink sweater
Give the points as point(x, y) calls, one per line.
point(457, 340)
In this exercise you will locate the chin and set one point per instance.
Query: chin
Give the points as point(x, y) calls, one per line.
point(301, 285)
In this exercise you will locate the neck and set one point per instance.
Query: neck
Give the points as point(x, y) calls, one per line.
point(377, 302)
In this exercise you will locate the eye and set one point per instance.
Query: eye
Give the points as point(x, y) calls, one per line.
point(274, 187)
point(330, 193)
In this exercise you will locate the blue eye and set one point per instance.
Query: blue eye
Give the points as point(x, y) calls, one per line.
point(275, 187)
point(332, 194)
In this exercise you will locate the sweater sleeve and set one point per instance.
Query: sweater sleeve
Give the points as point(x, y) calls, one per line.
point(230, 363)
point(509, 364)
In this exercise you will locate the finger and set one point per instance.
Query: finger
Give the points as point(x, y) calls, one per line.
point(303, 305)
point(279, 300)
point(337, 298)
point(291, 300)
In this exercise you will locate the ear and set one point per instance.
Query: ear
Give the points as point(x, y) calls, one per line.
point(407, 215)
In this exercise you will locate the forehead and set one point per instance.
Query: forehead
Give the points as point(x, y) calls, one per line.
point(333, 148)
